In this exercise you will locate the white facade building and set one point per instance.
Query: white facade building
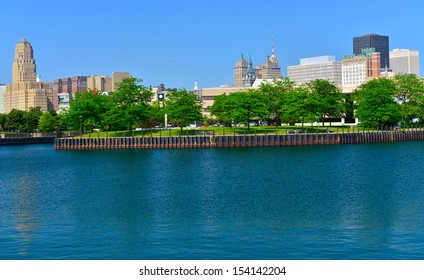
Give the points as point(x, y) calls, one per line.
point(405, 61)
point(354, 71)
point(312, 68)
point(358, 69)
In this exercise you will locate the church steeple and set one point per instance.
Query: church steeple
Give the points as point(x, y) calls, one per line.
point(250, 74)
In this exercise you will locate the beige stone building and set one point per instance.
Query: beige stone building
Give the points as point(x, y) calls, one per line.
point(240, 71)
point(209, 94)
point(117, 77)
point(245, 75)
point(26, 90)
point(99, 82)
point(270, 69)
point(405, 61)
point(106, 83)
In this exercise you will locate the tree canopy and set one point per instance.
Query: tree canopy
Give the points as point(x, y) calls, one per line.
point(276, 91)
point(325, 99)
point(183, 107)
point(240, 107)
point(376, 105)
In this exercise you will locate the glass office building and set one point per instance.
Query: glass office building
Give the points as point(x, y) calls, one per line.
point(378, 42)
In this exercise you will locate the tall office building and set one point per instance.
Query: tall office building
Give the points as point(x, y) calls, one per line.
point(64, 90)
point(378, 42)
point(320, 67)
point(26, 90)
point(404, 61)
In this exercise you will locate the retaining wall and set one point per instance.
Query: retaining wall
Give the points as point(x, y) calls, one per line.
point(26, 141)
point(207, 141)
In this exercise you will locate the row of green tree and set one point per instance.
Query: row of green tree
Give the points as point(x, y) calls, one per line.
point(30, 121)
point(129, 106)
point(379, 102)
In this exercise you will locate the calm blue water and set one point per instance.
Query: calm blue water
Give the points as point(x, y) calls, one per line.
point(326, 202)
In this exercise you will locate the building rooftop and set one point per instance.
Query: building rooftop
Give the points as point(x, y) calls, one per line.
point(24, 42)
point(317, 59)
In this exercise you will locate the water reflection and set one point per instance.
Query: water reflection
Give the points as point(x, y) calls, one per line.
point(25, 212)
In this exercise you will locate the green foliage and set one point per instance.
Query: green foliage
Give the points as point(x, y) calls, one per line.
point(325, 99)
point(240, 107)
point(130, 92)
point(31, 120)
point(248, 105)
point(3, 119)
point(296, 106)
point(130, 104)
point(222, 108)
point(155, 115)
point(410, 94)
point(376, 105)
point(49, 122)
point(15, 119)
point(88, 107)
point(183, 107)
point(123, 109)
point(276, 93)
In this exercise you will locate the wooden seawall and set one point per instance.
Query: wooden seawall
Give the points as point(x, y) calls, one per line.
point(207, 141)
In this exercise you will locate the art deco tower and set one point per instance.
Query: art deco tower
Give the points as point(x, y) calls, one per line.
point(24, 69)
point(26, 91)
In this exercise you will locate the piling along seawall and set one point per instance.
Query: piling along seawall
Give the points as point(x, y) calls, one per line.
point(220, 141)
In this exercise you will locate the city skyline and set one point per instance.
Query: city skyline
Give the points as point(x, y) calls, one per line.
point(178, 43)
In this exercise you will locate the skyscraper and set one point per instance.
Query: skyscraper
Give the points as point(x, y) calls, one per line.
point(23, 68)
point(378, 42)
point(26, 91)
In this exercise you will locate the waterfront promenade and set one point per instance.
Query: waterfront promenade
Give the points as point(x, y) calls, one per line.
point(220, 141)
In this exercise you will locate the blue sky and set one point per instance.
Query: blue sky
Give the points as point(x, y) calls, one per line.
point(182, 41)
